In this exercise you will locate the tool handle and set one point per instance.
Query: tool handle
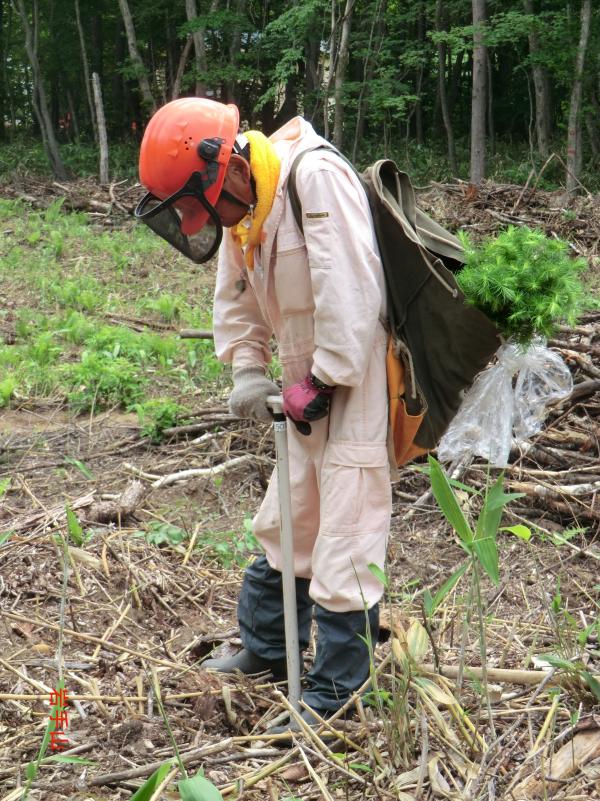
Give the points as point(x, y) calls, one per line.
point(275, 404)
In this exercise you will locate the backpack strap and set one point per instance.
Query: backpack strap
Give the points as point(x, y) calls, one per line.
point(292, 190)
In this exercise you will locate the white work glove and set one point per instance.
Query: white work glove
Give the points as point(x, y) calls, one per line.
point(251, 388)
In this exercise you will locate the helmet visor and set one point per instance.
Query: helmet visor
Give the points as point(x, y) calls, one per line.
point(166, 218)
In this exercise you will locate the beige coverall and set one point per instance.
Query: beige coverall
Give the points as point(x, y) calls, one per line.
point(322, 296)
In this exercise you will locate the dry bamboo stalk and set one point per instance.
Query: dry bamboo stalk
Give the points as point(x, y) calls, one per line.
point(190, 547)
point(501, 675)
point(249, 779)
point(139, 683)
point(89, 638)
point(316, 778)
point(110, 630)
point(145, 770)
point(45, 696)
point(546, 725)
point(336, 765)
point(557, 491)
point(199, 472)
point(37, 684)
point(157, 794)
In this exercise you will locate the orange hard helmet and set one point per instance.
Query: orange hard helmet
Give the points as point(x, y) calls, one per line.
point(183, 159)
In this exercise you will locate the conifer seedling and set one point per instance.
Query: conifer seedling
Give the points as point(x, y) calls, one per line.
point(524, 281)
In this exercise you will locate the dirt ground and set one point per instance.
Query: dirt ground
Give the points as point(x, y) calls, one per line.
point(132, 619)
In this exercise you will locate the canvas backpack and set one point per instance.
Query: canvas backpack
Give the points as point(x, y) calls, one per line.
point(437, 343)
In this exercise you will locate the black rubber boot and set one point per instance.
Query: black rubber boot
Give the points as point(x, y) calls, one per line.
point(260, 612)
point(247, 662)
point(341, 666)
point(342, 661)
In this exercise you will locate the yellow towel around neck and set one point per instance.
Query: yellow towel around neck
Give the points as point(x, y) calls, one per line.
point(265, 166)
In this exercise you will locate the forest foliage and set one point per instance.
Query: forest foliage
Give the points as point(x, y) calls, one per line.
point(508, 80)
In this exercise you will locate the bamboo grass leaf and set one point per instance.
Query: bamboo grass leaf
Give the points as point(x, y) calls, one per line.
point(520, 531)
point(487, 553)
point(148, 788)
point(446, 500)
point(378, 573)
point(436, 693)
point(417, 641)
point(447, 587)
point(198, 789)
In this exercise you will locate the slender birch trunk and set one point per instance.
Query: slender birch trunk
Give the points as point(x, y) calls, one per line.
point(574, 137)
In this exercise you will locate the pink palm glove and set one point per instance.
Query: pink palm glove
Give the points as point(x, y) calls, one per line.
point(307, 401)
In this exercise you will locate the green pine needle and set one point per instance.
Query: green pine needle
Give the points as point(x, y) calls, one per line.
point(524, 281)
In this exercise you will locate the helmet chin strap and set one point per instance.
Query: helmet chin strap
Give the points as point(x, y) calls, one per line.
point(233, 199)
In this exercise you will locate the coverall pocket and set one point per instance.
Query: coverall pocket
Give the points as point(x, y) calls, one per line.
point(293, 288)
point(317, 233)
point(355, 489)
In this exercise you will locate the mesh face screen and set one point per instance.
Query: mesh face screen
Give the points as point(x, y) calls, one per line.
point(166, 222)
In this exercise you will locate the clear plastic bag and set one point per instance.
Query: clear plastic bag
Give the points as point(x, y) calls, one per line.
point(492, 409)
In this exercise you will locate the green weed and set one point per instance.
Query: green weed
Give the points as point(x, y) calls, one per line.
point(229, 548)
point(8, 386)
point(169, 307)
point(99, 380)
point(83, 294)
point(43, 350)
point(158, 414)
point(570, 651)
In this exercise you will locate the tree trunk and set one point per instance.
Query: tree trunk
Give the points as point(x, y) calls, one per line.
point(419, 74)
point(591, 124)
point(181, 68)
point(102, 138)
point(491, 128)
point(234, 52)
point(74, 116)
point(312, 76)
point(542, 89)
point(455, 71)
point(574, 154)
point(340, 74)
point(440, 24)
point(40, 103)
point(7, 88)
point(478, 94)
point(135, 56)
point(86, 70)
point(199, 37)
point(330, 70)
point(377, 28)
point(199, 48)
point(2, 75)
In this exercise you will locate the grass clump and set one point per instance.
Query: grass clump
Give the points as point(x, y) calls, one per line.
point(524, 281)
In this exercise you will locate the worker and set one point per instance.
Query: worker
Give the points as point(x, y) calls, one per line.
point(320, 294)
